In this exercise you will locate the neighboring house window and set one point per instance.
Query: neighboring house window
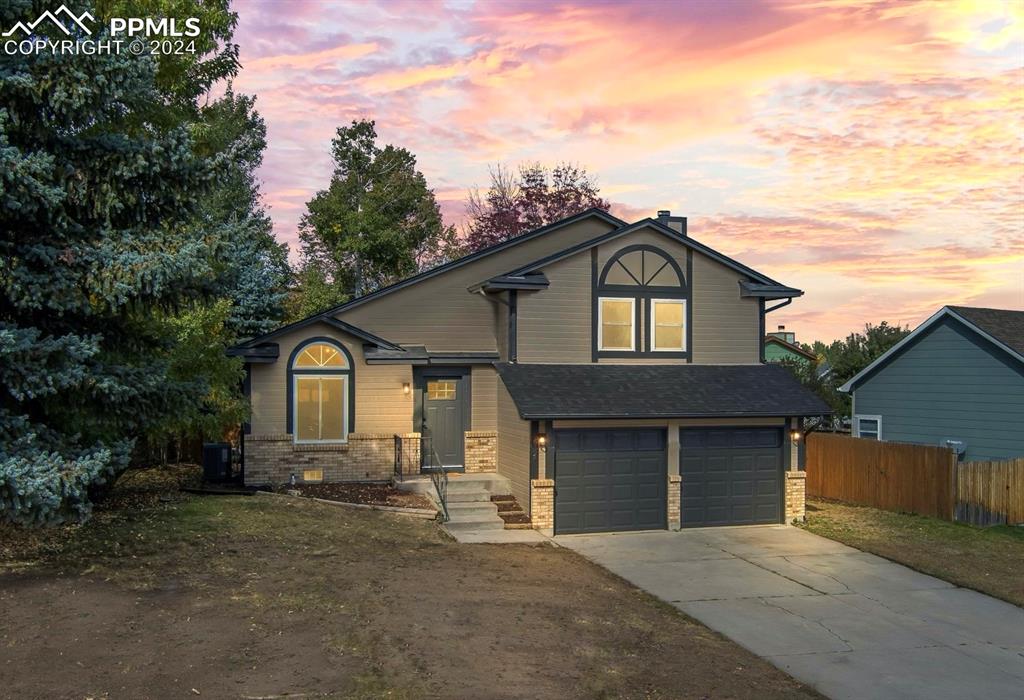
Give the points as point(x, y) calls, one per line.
point(616, 324)
point(868, 426)
point(320, 383)
point(641, 286)
point(668, 325)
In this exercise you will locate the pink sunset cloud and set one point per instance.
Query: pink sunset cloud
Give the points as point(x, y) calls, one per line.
point(870, 153)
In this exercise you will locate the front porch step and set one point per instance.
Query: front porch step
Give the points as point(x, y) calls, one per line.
point(461, 510)
point(465, 496)
point(464, 526)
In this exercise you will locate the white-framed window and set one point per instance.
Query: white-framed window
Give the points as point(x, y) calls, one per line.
point(867, 426)
point(616, 319)
point(320, 385)
point(668, 325)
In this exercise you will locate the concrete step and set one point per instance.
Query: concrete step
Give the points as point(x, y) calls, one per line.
point(464, 526)
point(472, 508)
point(469, 497)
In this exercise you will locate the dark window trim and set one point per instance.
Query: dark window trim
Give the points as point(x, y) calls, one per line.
point(351, 372)
point(642, 304)
point(513, 320)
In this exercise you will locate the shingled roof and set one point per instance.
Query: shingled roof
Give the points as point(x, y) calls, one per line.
point(1004, 325)
point(657, 391)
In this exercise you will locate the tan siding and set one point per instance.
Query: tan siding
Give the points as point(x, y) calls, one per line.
point(554, 323)
point(513, 447)
point(380, 407)
point(726, 326)
point(485, 398)
point(442, 315)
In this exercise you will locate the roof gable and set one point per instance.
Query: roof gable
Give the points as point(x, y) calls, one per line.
point(660, 228)
point(442, 269)
point(990, 320)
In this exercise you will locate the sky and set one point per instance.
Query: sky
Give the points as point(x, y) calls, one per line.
point(870, 153)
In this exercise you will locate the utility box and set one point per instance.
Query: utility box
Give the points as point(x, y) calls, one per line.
point(217, 461)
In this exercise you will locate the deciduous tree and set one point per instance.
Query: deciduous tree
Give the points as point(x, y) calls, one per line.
point(537, 196)
point(374, 220)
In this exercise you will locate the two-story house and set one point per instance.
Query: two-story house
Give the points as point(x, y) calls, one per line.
point(612, 372)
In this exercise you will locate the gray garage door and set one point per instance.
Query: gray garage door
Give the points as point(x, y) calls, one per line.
point(609, 480)
point(731, 476)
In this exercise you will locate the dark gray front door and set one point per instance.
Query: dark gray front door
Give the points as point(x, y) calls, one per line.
point(731, 476)
point(608, 480)
point(444, 419)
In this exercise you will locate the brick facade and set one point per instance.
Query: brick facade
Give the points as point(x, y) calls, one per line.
point(675, 495)
point(481, 450)
point(796, 490)
point(542, 503)
point(272, 459)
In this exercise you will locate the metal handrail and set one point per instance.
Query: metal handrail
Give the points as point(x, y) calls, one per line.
point(399, 458)
point(438, 474)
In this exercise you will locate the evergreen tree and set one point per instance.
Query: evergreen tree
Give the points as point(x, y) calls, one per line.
point(373, 222)
point(97, 251)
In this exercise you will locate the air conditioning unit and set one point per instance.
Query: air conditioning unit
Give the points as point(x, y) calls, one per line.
point(216, 461)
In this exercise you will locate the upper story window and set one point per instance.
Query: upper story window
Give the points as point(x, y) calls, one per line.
point(320, 383)
point(642, 305)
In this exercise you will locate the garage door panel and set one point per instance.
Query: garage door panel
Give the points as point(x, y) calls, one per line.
point(731, 476)
point(621, 486)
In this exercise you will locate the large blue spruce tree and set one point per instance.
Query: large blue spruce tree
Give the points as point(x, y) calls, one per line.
point(99, 249)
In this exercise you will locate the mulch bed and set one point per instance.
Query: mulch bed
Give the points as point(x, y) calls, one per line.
point(366, 494)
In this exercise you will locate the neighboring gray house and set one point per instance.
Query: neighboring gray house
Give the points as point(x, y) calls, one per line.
point(958, 379)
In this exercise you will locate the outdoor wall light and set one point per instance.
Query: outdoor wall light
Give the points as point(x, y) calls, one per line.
point(542, 440)
point(795, 436)
point(406, 388)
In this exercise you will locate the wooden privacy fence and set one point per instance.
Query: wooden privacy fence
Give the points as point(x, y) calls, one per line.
point(887, 475)
point(990, 493)
point(914, 478)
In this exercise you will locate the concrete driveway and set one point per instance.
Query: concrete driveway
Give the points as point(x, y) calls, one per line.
point(851, 624)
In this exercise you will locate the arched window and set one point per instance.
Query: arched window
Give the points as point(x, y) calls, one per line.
point(642, 305)
point(320, 392)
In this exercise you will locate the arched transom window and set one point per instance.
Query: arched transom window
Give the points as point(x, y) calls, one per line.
point(641, 306)
point(320, 384)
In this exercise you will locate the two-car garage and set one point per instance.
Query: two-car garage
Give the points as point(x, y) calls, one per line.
point(617, 447)
point(616, 479)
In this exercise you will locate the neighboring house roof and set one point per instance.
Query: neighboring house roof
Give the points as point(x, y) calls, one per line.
point(1002, 327)
point(775, 340)
point(775, 287)
point(440, 269)
point(657, 391)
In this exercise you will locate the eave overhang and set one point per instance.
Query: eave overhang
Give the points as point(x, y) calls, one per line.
point(501, 283)
point(768, 291)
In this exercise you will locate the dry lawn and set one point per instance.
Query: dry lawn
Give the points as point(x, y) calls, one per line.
point(990, 560)
point(165, 595)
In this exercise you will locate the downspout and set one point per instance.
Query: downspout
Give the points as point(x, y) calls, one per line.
point(765, 312)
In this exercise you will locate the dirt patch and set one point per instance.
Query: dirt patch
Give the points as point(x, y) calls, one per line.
point(990, 560)
point(238, 596)
point(367, 494)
